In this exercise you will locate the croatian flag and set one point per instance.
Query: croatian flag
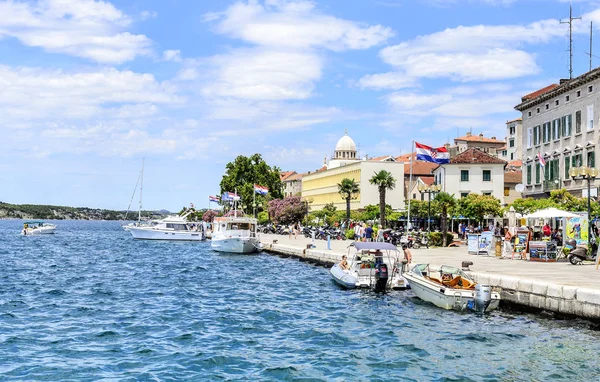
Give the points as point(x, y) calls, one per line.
point(213, 199)
point(439, 155)
point(542, 161)
point(260, 189)
point(229, 197)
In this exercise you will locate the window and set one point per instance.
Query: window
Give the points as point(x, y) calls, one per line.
point(566, 125)
point(487, 175)
point(590, 117)
point(567, 166)
point(512, 156)
point(529, 114)
point(547, 106)
point(414, 196)
point(422, 196)
point(591, 159)
point(590, 89)
point(567, 98)
point(552, 170)
point(578, 122)
point(464, 194)
point(529, 137)
point(536, 135)
point(576, 160)
point(556, 128)
point(487, 193)
point(511, 143)
point(512, 130)
point(538, 110)
point(504, 153)
point(537, 173)
point(464, 175)
point(578, 93)
point(528, 174)
point(556, 102)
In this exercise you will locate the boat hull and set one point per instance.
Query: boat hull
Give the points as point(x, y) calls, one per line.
point(343, 278)
point(39, 231)
point(235, 244)
point(445, 297)
point(157, 234)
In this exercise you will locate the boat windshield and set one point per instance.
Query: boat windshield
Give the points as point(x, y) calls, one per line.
point(177, 227)
point(240, 227)
point(427, 270)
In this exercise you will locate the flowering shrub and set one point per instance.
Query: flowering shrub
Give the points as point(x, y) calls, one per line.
point(289, 210)
point(209, 216)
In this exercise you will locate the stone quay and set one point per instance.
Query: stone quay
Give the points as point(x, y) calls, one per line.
point(557, 287)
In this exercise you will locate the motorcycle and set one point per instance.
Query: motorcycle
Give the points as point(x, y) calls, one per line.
point(421, 240)
point(581, 253)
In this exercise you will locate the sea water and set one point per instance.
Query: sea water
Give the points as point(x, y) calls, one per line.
point(90, 302)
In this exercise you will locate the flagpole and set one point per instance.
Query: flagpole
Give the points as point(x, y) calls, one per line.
point(410, 182)
point(254, 203)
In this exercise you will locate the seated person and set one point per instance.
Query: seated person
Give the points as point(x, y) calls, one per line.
point(344, 263)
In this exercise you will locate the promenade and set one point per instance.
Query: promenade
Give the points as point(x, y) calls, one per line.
point(557, 287)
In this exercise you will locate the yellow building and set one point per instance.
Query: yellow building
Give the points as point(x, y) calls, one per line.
point(320, 188)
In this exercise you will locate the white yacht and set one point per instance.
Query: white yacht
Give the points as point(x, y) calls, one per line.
point(37, 228)
point(169, 228)
point(235, 234)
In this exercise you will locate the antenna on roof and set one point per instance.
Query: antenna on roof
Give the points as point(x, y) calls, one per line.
point(591, 35)
point(570, 22)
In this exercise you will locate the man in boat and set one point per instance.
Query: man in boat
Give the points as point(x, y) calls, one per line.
point(344, 263)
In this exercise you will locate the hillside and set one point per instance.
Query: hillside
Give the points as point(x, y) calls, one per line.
point(33, 211)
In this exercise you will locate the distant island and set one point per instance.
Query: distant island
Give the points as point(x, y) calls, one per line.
point(34, 211)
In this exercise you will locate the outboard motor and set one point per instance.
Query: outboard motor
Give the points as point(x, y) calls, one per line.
point(381, 277)
point(483, 297)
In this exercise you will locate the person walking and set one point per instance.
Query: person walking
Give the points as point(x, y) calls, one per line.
point(369, 233)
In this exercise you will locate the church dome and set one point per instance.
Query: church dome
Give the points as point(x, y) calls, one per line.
point(345, 144)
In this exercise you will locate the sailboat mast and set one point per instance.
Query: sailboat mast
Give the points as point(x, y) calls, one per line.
point(141, 189)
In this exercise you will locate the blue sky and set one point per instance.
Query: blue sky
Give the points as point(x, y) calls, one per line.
point(89, 88)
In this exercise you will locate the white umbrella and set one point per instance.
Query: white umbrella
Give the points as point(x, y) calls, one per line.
point(551, 213)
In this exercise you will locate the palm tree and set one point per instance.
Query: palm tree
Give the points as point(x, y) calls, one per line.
point(384, 181)
point(347, 188)
point(445, 202)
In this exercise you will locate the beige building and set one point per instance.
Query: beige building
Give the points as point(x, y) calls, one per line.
point(292, 183)
point(320, 188)
point(511, 179)
point(514, 140)
point(491, 145)
point(559, 124)
point(472, 171)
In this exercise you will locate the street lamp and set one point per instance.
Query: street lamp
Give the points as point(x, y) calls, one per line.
point(587, 173)
point(425, 189)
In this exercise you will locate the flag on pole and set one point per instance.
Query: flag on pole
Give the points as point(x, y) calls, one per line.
point(260, 189)
point(213, 199)
point(542, 161)
point(230, 197)
point(439, 155)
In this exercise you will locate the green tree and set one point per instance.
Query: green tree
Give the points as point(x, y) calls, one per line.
point(384, 181)
point(347, 188)
point(445, 202)
point(244, 172)
point(475, 206)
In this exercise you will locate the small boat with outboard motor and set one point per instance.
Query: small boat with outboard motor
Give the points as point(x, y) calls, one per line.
point(450, 288)
point(37, 228)
point(374, 265)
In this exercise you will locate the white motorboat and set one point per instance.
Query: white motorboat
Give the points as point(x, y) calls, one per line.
point(169, 228)
point(374, 265)
point(235, 234)
point(37, 228)
point(450, 288)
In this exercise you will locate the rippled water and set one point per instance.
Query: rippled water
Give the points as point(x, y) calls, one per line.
point(92, 303)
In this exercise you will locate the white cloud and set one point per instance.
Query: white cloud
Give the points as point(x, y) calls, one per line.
point(90, 29)
point(145, 15)
point(295, 24)
point(172, 55)
point(259, 74)
point(391, 80)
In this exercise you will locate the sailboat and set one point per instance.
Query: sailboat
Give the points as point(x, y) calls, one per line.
point(140, 181)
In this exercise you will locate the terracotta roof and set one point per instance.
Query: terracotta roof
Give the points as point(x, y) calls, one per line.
point(539, 92)
point(322, 168)
point(502, 148)
point(475, 156)
point(515, 120)
point(286, 174)
point(428, 180)
point(513, 177)
point(294, 177)
point(380, 159)
point(405, 157)
point(478, 138)
point(515, 163)
point(420, 168)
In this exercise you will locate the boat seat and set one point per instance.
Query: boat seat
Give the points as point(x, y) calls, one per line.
point(460, 283)
point(435, 280)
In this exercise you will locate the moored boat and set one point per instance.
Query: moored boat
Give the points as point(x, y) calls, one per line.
point(37, 228)
point(373, 265)
point(235, 234)
point(450, 288)
point(169, 228)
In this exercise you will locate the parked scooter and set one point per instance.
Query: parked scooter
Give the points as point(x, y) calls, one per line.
point(580, 253)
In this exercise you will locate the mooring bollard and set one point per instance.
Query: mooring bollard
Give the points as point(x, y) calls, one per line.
point(313, 238)
point(329, 242)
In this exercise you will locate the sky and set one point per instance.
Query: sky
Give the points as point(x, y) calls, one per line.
point(90, 88)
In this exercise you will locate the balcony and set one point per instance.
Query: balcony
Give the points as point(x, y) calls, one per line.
point(549, 185)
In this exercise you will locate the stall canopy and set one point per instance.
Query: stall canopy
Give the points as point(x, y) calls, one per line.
point(551, 213)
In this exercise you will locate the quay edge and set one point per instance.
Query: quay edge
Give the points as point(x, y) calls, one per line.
point(532, 294)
